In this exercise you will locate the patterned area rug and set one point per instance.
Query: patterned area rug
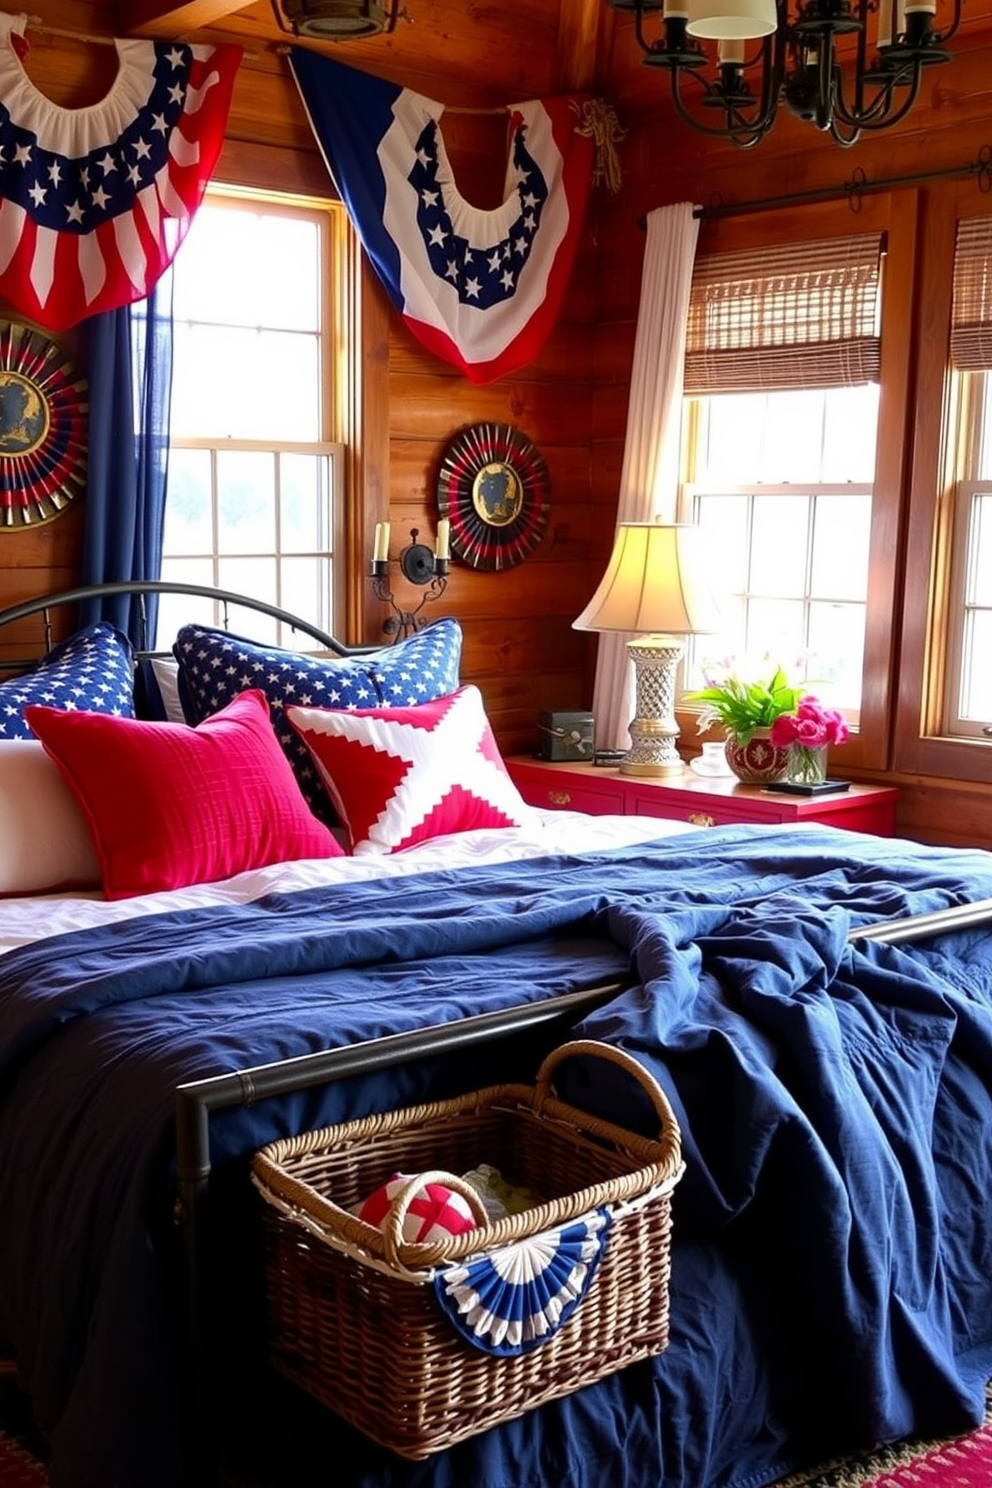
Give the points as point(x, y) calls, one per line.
point(964, 1462)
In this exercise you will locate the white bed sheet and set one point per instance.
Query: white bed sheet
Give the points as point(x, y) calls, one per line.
point(25, 920)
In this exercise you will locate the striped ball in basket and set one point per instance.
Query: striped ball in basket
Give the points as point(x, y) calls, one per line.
point(435, 1212)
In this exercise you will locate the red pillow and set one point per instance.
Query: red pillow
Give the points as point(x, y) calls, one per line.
point(401, 775)
point(169, 805)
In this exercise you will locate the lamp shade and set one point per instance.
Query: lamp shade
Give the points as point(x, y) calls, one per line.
point(335, 19)
point(655, 582)
point(731, 20)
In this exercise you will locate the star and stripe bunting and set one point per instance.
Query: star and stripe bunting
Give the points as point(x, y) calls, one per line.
point(94, 202)
point(481, 289)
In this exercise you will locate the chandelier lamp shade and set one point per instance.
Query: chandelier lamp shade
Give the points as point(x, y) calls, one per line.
point(335, 20)
point(846, 66)
point(655, 589)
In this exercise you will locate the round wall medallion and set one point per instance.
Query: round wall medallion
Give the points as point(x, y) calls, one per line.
point(493, 487)
point(43, 407)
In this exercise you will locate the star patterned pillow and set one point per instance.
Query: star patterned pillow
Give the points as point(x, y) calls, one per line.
point(214, 666)
point(92, 671)
point(399, 776)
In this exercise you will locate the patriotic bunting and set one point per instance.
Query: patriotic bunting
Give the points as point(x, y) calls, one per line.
point(480, 289)
point(94, 202)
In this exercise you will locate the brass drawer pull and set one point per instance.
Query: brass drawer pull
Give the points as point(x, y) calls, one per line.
point(559, 798)
point(701, 819)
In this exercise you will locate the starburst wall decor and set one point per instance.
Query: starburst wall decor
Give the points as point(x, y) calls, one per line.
point(43, 409)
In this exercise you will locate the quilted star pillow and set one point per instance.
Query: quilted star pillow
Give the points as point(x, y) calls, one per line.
point(92, 670)
point(399, 776)
point(214, 666)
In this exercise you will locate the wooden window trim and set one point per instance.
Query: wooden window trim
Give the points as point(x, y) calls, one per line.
point(919, 746)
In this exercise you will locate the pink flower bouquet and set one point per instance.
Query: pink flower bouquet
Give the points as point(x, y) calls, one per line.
point(813, 725)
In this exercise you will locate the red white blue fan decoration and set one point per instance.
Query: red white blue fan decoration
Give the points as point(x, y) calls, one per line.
point(494, 489)
point(513, 1299)
point(43, 406)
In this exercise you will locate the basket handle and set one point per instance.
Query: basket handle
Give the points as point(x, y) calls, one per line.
point(392, 1226)
point(613, 1055)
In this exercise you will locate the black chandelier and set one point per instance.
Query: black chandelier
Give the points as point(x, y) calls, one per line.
point(766, 57)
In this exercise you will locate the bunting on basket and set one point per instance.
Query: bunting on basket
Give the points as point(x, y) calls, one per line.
point(512, 1299)
point(480, 289)
point(94, 202)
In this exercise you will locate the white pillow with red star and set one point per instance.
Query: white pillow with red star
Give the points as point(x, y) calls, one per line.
point(399, 776)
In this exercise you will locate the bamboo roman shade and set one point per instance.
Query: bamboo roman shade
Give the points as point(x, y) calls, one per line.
point(971, 313)
point(799, 315)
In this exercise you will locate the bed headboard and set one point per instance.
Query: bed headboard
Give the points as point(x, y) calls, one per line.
point(225, 599)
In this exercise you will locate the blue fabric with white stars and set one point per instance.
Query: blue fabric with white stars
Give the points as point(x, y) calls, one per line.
point(92, 671)
point(214, 666)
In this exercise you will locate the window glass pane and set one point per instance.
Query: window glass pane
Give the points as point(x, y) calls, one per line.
point(730, 452)
point(776, 627)
point(257, 577)
point(976, 674)
point(307, 582)
point(779, 538)
point(984, 467)
point(841, 536)
point(188, 524)
point(246, 503)
point(304, 503)
point(836, 648)
point(723, 522)
point(793, 442)
point(249, 268)
point(849, 434)
point(980, 551)
point(269, 386)
point(176, 610)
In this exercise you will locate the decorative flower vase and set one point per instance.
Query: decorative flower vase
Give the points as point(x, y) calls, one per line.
point(757, 761)
point(806, 766)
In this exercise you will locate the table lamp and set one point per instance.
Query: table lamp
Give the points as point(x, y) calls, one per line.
point(655, 586)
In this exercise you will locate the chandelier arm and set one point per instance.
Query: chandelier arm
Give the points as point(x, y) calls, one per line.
point(745, 133)
point(873, 118)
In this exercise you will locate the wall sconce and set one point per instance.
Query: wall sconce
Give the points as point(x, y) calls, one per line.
point(419, 565)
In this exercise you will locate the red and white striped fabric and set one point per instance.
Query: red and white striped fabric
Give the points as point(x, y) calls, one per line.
point(94, 202)
point(399, 776)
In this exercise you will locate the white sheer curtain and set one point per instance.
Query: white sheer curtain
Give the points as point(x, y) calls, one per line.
point(650, 474)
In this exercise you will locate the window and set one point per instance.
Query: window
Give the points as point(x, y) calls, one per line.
point(779, 453)
point(254, 502)
point(967, 696)
point(781, 487)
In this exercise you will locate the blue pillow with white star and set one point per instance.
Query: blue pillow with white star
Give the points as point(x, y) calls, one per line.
point(214, 666)
point(92, 672)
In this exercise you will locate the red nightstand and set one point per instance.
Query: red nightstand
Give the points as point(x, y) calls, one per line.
point(691, 798)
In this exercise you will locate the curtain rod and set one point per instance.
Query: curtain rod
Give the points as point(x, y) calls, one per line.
point(854, 189)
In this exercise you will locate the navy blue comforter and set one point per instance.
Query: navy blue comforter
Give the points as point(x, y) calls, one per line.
point(832, 1262)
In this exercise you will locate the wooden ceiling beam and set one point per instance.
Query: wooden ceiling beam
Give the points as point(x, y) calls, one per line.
point(164, 19)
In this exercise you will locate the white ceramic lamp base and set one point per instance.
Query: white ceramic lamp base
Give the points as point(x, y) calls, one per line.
point(653, 729)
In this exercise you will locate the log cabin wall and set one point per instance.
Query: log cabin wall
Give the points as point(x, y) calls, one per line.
point(519, 646)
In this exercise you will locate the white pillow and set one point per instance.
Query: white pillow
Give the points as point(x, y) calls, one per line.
point(44, 840)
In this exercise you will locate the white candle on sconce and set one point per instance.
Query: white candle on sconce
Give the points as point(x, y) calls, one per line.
point(730, 52)
point(380, 550)
point(442, 544)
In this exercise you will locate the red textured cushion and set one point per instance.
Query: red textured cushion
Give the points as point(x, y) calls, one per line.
point(169, 805)
point(401, 775)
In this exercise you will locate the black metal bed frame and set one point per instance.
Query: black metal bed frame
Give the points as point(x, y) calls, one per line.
point(196, 1101)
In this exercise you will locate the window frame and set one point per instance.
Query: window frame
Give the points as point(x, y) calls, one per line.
point(921, 742)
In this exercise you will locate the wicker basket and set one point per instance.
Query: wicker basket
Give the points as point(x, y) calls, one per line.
point(352, 1314)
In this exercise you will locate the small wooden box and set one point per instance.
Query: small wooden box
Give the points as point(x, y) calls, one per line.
point(566, 736)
